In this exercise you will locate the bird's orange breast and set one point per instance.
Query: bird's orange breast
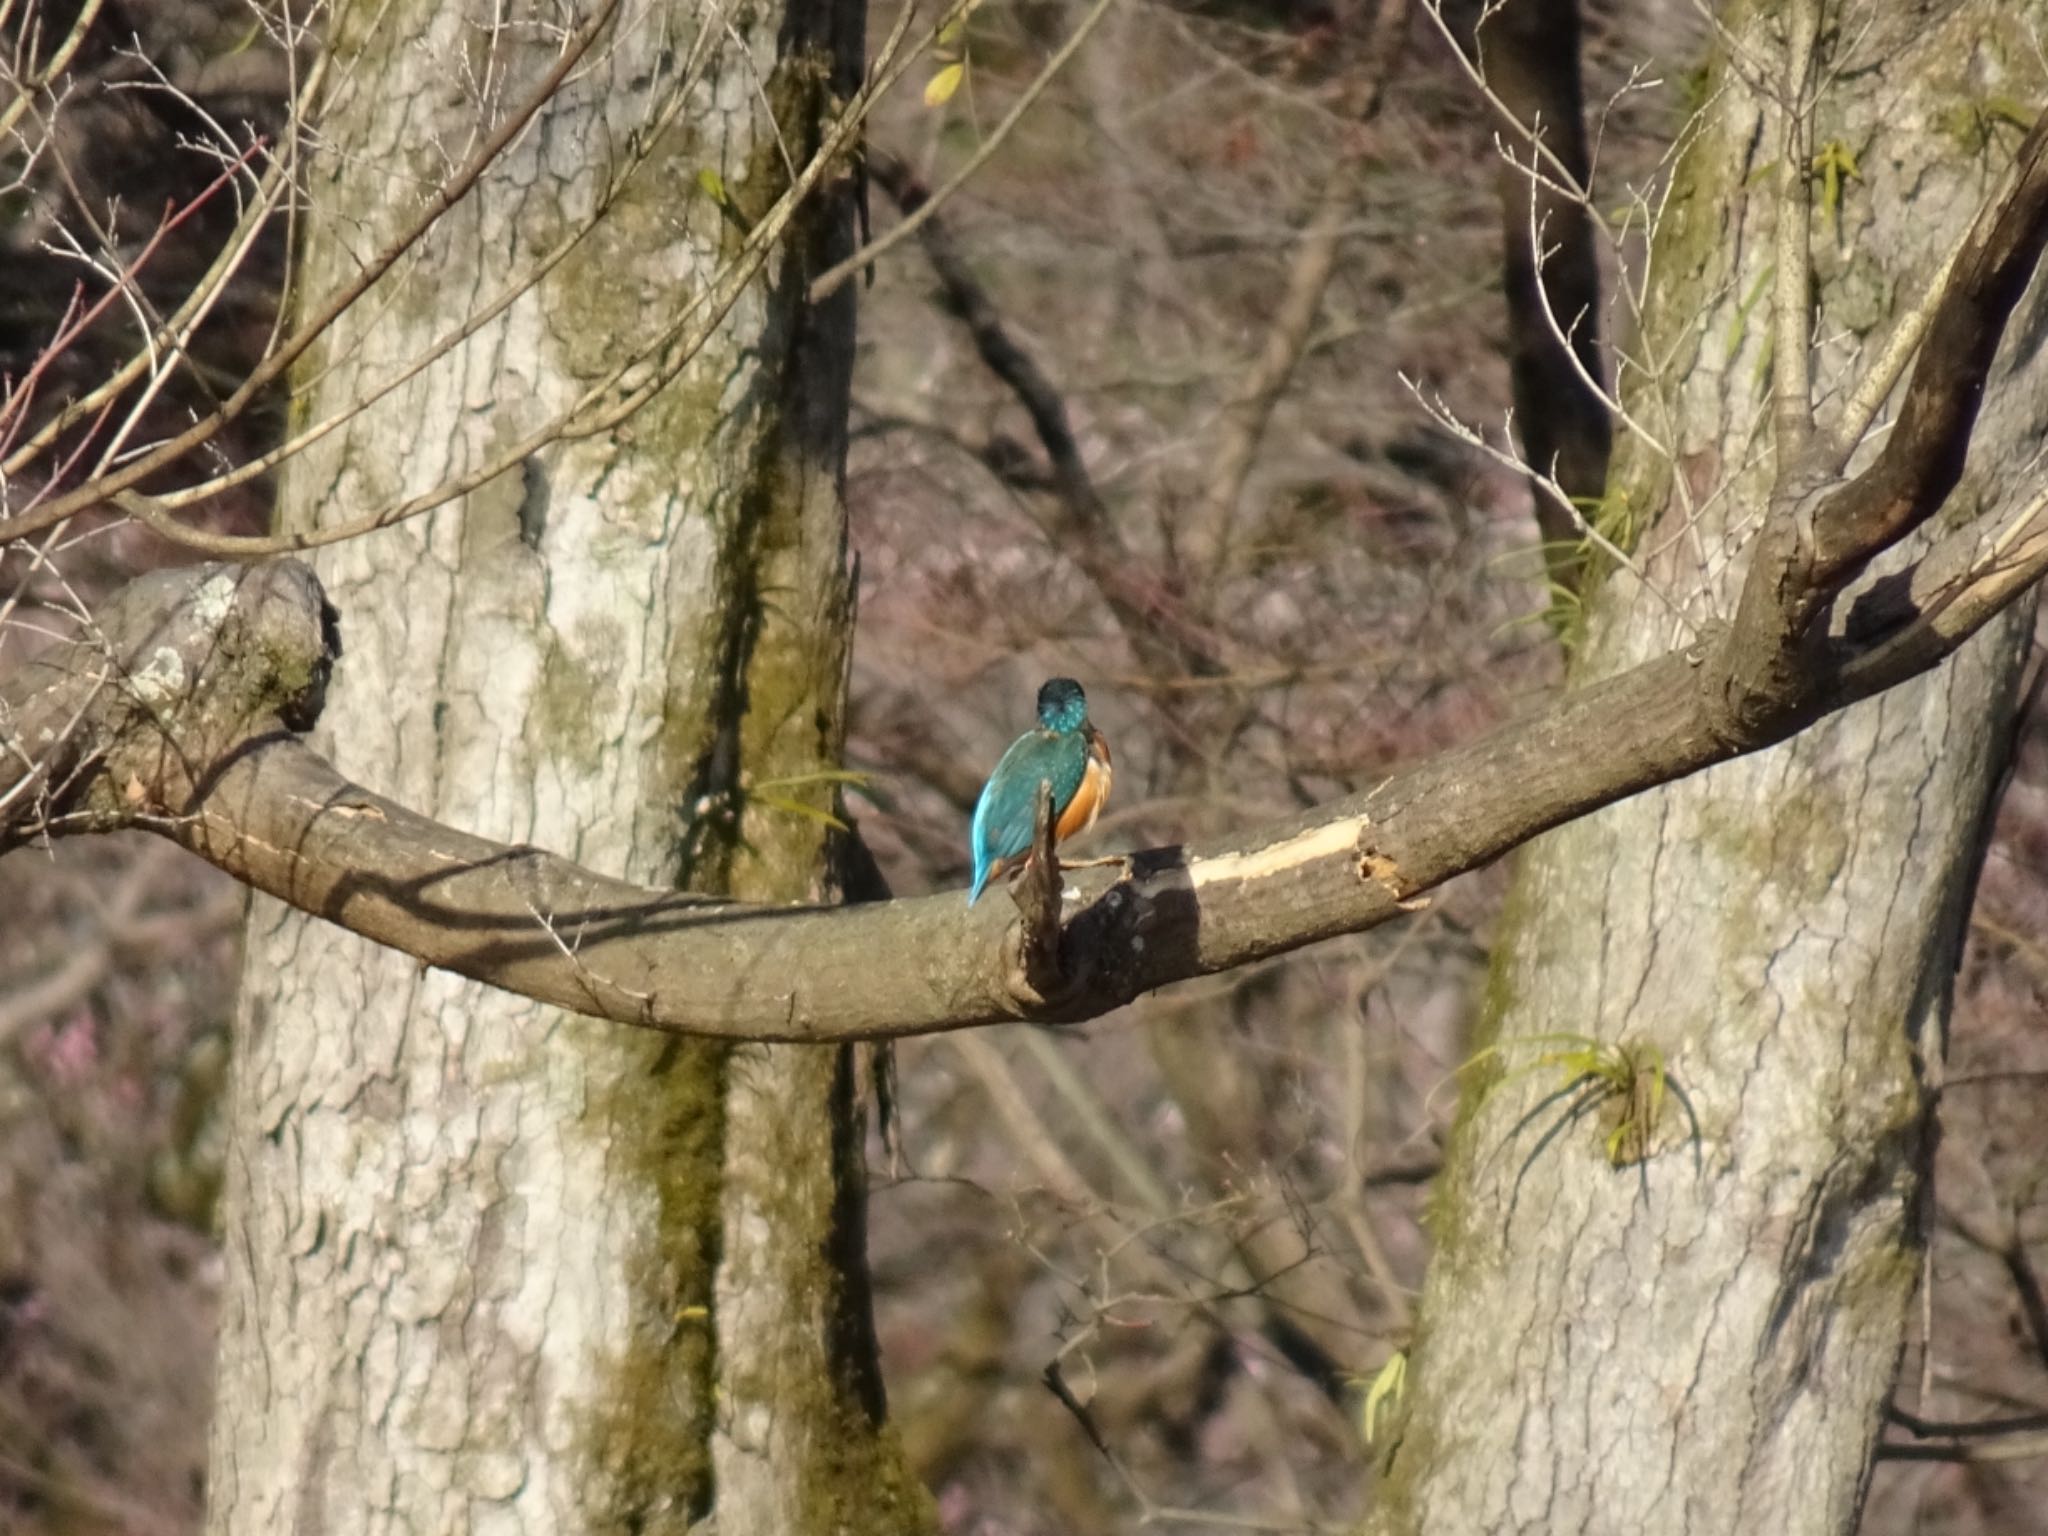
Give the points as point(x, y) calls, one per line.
point(1089, 799)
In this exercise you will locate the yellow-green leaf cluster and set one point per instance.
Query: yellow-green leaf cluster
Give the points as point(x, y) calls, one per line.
point(1384, 1395)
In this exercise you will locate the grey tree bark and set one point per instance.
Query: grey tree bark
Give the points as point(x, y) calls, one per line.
point(492, 1266)
point(1704, 1340)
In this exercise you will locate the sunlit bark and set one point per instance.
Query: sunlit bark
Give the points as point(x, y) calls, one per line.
point(494, 1266)
point(1704, 1341)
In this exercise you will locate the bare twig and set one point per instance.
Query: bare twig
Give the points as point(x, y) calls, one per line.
point(1791, 351)
point(1551, 493)
point(1978, 1429)
point(25, 90)
point(2018, 1448)
point(1151, 617)
point(2016, 1437)
point(324, 314)
point(1524, 58)
point(176, 330)
point(832, 278)
point(2005, 1243)
point(1005, 357)
point(642, 372)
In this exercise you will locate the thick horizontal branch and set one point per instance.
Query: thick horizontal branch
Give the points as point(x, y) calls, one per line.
point(179, 716)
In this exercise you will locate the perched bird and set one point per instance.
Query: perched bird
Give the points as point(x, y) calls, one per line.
point(1067, 752)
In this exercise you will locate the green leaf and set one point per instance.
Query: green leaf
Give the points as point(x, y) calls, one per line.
point(1836, 166)
point(941, 87)
point(817, 776)
point(798, 808)
point(713, 186)
point(2008, 109)
point(950, 34)
point(1738, 324)
point(1386, 1391)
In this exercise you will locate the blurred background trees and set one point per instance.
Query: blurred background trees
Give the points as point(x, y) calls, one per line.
point(1205, 491)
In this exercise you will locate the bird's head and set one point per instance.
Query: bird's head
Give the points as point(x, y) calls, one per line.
point(1062, 706)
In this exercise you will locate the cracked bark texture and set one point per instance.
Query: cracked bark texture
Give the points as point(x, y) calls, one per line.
point(491, 1266)
point(1704, 1342)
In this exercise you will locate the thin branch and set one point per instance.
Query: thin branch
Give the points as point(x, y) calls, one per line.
point(325, 314)
point(834, 277)
point(2016, 1437)
point(162, 360)
point(1525, 58)
point(25, 91)
point(154, 510)
point(641, 373)
point(1549, 493)
point(1974, 1429)
point(1923, 456)
point(1791, 300)
point(76, 321)
point(2005, 1244)
point(2019, 1448)
point(1922, 613)
point(1882, 376)
point(1149, 614)
point(1817, 535)
point(1006, 358)
point(184, 320)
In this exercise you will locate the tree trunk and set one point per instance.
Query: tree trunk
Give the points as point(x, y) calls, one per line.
point(1704, 1340)
point(492, 1266)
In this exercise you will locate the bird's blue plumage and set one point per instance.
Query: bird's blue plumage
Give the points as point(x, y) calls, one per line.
point(1056, 754)
point(1007, 812)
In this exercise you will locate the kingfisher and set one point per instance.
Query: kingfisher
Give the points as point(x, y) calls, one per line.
point(1067, 752)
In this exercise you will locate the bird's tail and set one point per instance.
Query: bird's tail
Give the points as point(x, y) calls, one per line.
point(982, 871)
